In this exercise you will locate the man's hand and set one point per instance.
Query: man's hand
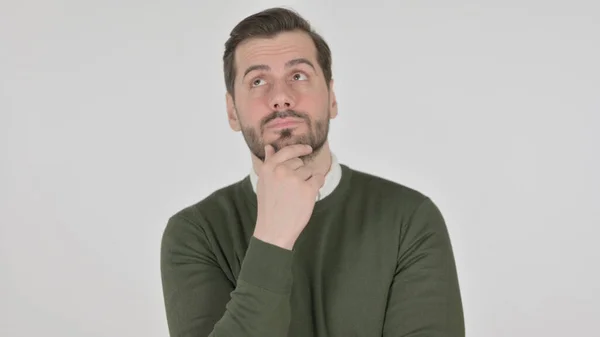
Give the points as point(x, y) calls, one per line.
point(286, 194)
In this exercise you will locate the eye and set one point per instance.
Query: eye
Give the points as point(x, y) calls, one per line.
point(258, 82)
point(299, 77)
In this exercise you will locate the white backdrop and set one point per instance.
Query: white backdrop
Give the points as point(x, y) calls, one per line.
point(112, 118)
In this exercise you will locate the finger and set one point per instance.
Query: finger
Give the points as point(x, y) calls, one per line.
point(293, 163)
point(269, 151)
point(303, 173)
point(289, 152)
point(316, 181)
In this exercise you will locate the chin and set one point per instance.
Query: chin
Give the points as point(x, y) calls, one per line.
point(283, 142)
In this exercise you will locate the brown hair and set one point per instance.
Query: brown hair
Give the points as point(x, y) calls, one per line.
point(266, 24)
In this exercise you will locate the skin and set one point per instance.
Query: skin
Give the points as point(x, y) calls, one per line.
point(277, 78)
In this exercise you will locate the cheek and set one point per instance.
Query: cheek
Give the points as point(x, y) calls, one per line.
point(252, 110)
point(313, 102)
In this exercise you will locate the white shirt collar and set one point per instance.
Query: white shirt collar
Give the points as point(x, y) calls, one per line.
point(332, 178)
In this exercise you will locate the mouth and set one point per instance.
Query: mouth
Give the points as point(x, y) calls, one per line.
point(282, 123)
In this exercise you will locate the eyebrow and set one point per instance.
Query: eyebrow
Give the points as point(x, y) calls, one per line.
point(288, 64)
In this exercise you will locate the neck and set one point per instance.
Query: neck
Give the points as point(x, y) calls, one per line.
point(320, 163)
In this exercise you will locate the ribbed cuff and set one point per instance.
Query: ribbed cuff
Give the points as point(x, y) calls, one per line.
point(267, 266)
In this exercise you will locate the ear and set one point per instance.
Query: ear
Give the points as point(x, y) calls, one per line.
point(232, 116)
point(333, 107)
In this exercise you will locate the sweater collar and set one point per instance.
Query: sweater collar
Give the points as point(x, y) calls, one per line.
point(332, 178)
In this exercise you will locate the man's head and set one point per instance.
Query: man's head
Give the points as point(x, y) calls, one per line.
point(279, 82)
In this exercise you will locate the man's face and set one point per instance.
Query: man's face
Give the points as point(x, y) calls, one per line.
point(281, 97)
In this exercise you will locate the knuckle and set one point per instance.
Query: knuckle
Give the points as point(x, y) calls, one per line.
point(295, 180)
point(280, 171)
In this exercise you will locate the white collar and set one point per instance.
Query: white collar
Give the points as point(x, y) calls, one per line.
point(332, 178)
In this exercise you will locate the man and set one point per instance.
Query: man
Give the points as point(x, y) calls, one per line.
point(303, 246)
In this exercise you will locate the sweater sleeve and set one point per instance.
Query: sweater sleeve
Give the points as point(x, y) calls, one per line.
point(201, 301)
point(425, 299)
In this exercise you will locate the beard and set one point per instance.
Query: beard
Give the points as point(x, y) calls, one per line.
point(316, 136)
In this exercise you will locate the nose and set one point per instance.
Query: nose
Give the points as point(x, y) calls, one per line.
point(281, 98)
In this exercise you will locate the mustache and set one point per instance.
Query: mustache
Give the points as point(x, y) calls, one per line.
point(284, 114)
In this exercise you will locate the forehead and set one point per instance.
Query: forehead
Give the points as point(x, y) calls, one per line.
point(275, 51)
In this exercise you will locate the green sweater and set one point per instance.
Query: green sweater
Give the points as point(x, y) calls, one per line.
point(374, 260)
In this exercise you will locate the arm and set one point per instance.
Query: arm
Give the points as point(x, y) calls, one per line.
point(425, 298)
point(201, 301)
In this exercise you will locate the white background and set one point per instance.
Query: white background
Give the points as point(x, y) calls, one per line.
point(112, 118)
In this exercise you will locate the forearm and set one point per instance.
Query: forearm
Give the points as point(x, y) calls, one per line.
point(201, 301)
point(260, 304)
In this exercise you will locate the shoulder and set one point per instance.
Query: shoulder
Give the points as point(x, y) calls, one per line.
point(410, 209)
point(387, 191)
point(392, 199)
